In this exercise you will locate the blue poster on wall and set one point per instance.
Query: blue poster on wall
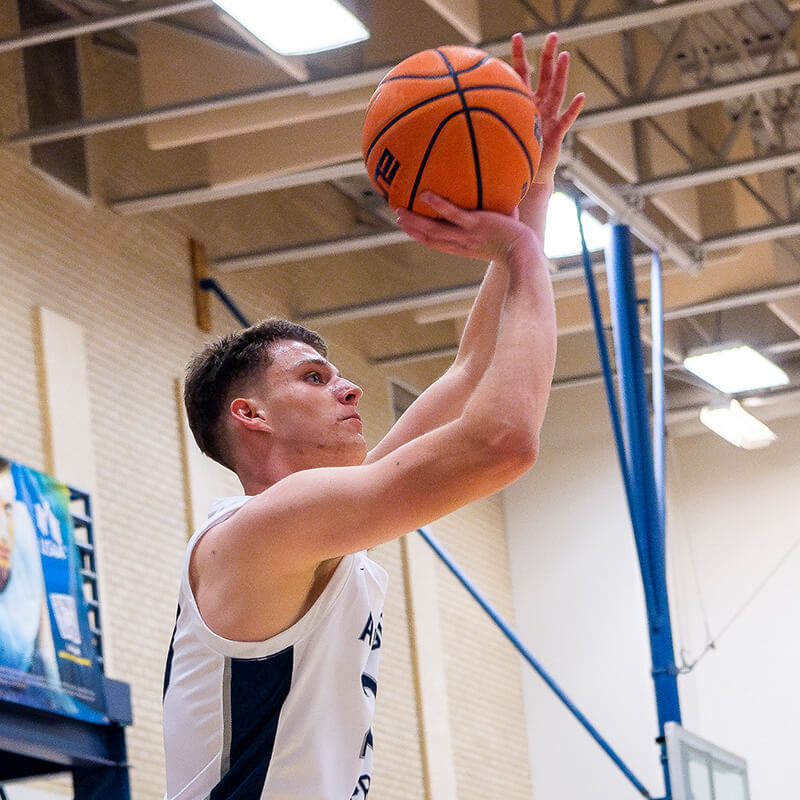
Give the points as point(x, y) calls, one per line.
point(48, 660)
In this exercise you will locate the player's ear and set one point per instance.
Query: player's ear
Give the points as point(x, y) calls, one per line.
point(246, 413)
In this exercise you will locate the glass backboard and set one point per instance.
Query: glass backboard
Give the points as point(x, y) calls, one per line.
point(699, 770)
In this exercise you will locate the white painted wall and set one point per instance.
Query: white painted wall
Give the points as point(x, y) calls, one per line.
point(580, 607)
point(18, 791)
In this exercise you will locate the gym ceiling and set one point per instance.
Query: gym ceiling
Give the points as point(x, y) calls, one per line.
point(165, 111)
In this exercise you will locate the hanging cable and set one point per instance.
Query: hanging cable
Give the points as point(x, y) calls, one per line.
point(713, 640)
point(681, 510)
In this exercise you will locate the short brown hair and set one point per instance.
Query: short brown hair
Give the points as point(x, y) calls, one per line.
point(212, 373)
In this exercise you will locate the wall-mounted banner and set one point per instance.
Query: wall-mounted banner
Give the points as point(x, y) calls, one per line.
point(47, 657)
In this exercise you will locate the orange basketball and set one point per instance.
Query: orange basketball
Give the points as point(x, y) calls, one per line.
point(456, 121)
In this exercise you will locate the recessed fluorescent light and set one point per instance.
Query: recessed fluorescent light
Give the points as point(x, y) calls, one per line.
point(297, 27)
point(732, 422)
point(735, 368)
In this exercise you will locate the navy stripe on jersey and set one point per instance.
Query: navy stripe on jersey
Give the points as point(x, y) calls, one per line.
point(170, 654)
point(255, 694)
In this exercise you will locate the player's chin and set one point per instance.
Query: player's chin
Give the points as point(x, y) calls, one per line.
point(358, 452)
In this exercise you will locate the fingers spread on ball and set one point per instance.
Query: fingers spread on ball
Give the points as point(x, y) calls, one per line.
point(447, 210)
point(519, 59)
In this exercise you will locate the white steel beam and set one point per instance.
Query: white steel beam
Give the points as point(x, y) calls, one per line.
point(391, 305)
point(71, 28)
point(268, 258)
point(616, 23)
point(627, 112)
point(615, 204)
point(759, 233)
point(767, 295)
point(723, 172)
point(418, 355)
point(607, 24)
point(205, 194)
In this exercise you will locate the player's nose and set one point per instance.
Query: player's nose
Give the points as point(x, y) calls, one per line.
point(348, 392)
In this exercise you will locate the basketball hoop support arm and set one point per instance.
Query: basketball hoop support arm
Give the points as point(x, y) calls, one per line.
point(641, 460)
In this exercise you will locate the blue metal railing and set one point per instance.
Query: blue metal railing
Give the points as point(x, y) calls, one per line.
point(82, 521)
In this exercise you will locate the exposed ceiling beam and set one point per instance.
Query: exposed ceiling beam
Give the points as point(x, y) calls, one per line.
point(314, 250)
point(677, 101)
point(466, 292)
point(66, 30)
point(412, 357)
point(463, 15)
point(465, 19)
point(766, 295)
point(142, 204)
point(618, 22)
point(604, 193)
point(759, 233)
point(722, 172)
point(593, 186)
point(391, 305)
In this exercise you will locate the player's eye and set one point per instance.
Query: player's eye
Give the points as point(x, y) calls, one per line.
point(314, 377)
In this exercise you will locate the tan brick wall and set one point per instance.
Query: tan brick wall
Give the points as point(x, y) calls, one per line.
point(482, 668)
point(126, 282)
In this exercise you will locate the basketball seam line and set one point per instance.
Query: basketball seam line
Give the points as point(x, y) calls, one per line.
point(427, 154)
point(438, 130)
point(426, 77)
point(470, 128)
point(427, 100)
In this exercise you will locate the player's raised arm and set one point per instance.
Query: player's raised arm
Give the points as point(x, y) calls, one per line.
point(444, 400)
point(317, 514)
point(549, 95)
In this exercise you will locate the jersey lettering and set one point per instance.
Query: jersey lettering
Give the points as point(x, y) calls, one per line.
point(362, 788)
point(369, 629)
point(369, 685)
point(368, 742)
point(371, 634)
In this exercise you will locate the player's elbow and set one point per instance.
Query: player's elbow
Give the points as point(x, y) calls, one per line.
point(513, 449)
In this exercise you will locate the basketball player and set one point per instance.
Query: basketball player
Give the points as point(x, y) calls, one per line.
point(272, 673)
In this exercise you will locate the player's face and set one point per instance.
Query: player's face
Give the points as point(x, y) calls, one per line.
point(7, 495)
point(311, 408)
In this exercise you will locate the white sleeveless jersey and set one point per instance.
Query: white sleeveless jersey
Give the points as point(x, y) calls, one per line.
point(289, 718)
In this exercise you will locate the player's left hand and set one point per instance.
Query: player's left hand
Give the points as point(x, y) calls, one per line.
point(475, 234)
point(549, 96)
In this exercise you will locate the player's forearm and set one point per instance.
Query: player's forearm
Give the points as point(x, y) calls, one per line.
point(513, 393)
point(533, 208)
point(480, 333)
point(445, 399)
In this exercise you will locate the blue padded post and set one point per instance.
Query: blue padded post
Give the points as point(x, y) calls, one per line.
point(645, 511)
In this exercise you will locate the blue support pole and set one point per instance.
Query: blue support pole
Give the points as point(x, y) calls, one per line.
point(605, 361)
point(659, 392)
point(528, 656)
point(648, 529)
